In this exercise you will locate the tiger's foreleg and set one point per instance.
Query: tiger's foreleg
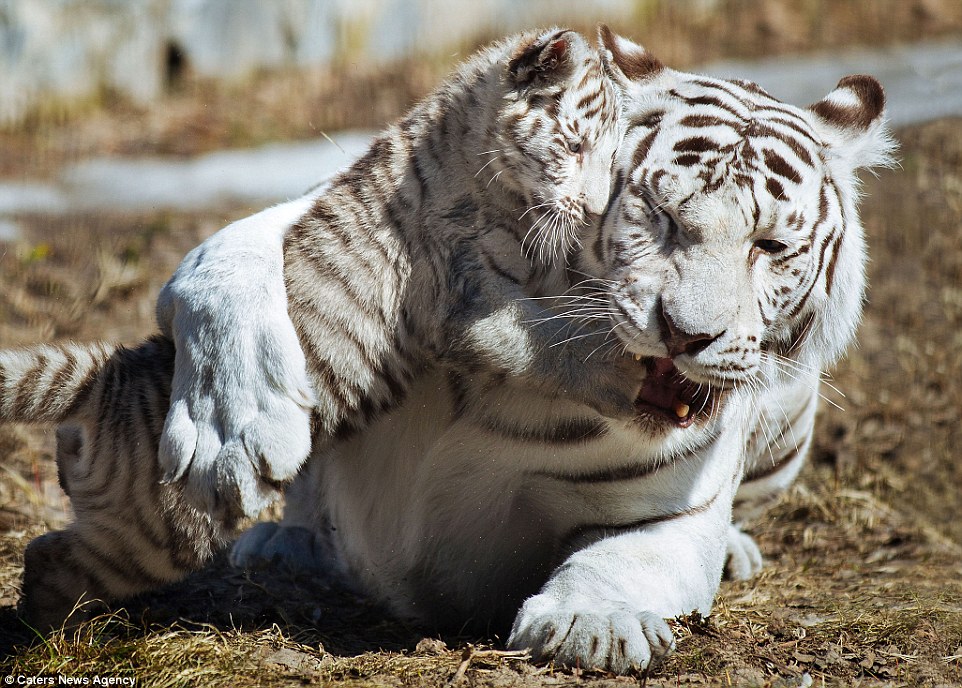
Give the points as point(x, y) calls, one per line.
point(605, 606)
point(239, 421)
point(776, 451)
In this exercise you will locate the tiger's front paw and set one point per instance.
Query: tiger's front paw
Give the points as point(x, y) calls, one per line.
point(236, 446)
point(605, 637)
point(743, 560)
point(238, 427)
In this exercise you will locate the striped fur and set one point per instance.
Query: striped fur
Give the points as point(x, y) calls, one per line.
point(434, 212)
point(729, 262)
point(419, 253)
point(494, 484)
point(416, 254)
point(130, 532)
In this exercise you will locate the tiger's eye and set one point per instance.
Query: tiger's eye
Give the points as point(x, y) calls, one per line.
point(574, 146)
point(770, 246)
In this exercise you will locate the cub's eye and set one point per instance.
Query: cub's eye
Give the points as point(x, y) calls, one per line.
point(574, 146)
point(770, 246)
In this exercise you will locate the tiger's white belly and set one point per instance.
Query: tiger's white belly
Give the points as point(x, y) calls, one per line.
point(449, 521)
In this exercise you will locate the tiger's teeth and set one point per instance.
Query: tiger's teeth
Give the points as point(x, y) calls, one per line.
point(637, 357)
point(681, 410)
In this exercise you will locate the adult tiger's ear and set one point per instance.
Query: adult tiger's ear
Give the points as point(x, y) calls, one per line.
point(852, 121)
point(626, 60)
point(545, 59)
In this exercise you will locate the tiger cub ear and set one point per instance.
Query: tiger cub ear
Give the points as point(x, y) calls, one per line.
point(626, 60)
point(545, 59)
point(853, 123)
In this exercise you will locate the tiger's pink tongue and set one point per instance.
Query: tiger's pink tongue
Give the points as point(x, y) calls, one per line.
point(667, 392)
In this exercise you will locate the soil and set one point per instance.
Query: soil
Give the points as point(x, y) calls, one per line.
point(863, 556)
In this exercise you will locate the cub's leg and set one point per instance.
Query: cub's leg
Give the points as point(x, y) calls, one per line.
point(239, 420)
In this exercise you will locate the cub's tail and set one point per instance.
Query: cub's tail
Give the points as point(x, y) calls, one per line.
point(49, 383)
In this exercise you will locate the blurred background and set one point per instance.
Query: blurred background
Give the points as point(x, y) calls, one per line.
point(130, 130)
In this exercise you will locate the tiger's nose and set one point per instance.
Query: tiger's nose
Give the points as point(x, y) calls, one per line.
point(594, 198)
point(678, 341)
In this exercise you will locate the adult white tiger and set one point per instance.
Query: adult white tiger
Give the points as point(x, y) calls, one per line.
point(730, 264)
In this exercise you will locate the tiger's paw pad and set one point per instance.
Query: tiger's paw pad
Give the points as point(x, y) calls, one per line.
point(234, 451)
point(743, 559)
point(617, 639)
point(296, 549)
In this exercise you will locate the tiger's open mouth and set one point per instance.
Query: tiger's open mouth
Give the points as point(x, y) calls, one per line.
point(668, 395)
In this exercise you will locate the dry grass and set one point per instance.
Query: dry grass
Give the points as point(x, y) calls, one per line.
point(862, 584)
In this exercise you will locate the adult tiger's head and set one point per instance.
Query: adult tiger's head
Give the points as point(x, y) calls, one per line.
point(555, 135)
point(733, 238)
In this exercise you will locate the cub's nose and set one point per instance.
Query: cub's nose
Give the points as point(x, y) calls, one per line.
point(678, 341)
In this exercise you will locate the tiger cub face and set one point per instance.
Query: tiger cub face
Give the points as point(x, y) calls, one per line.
point(733, 246)
point(556, 132)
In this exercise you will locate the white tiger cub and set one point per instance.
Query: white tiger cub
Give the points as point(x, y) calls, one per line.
point(417, 253)
point(730, 264)
point(411, 256)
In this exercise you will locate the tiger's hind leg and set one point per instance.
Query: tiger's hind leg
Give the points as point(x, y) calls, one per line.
point(51, 581)
point(131, 533)
point(73, 574)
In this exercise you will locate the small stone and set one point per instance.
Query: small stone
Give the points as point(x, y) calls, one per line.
point(300, 662)
point(431, 646)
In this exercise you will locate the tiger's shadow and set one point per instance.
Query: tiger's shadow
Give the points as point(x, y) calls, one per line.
point(227, 599)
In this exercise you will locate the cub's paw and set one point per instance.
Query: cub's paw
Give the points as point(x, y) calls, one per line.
point(605, 637)
point(612, 385)
point(743, 559)
point(296, 549)
point(239, 423)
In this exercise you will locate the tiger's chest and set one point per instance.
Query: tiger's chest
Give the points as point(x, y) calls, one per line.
point(468, 457)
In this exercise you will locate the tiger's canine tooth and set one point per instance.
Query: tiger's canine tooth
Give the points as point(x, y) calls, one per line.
point(681, 410)
point(637, 357)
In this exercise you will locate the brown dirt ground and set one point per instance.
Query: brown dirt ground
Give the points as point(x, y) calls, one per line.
point(864, 556)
